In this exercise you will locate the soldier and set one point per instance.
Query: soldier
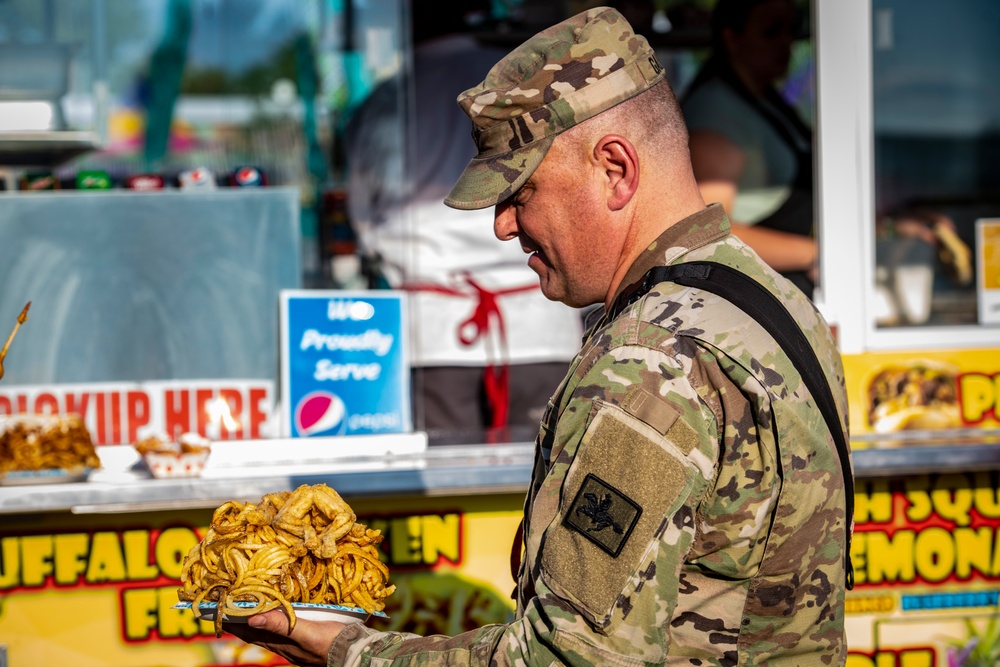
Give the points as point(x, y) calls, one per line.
point(687, 503)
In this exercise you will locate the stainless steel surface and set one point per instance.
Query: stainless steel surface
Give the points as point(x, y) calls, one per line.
point(958, 436)
point(457, 470)
point(928, 459)
point(926, 452)
point(446, 470)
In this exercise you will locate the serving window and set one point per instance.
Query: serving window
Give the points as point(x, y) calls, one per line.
point(908, 116)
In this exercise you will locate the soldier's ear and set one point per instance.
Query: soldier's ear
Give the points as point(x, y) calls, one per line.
point(619, 161)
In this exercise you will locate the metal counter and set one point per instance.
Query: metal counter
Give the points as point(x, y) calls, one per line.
point(438, 470)
point(451, 470)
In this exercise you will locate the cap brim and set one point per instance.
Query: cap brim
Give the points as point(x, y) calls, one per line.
point(488, 181)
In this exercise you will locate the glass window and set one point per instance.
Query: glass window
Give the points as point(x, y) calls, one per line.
point(170, 286)
point(745, 79)
point(168, 86)
point(936, 106)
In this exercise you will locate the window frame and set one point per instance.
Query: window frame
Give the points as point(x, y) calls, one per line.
point(846, 191)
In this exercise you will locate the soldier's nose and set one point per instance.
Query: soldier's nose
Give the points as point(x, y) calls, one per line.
point(504, 221)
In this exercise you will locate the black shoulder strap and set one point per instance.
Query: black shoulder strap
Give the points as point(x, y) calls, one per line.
point(755, 300)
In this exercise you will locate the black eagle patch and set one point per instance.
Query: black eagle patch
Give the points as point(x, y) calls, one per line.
point(603, 514)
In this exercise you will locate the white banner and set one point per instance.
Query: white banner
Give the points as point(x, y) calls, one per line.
point(118, 413)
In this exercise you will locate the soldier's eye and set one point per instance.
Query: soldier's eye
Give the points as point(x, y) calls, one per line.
point(522, 196)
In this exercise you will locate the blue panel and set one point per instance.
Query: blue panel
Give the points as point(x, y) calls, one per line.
point(345, 365)
point(146, 286)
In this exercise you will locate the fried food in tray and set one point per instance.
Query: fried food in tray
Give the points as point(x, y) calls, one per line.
point(291, 547)
point(45, 442)
point(188, 443)
point(184, 457)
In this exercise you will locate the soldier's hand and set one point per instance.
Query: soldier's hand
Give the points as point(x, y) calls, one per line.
point(307, 645)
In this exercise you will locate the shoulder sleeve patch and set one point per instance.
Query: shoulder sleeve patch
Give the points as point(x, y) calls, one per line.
point(625, 483)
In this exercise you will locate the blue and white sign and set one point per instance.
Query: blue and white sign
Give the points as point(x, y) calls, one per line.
point(344, 364)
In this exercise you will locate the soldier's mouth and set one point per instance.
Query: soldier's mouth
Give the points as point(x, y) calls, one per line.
point(537, 261)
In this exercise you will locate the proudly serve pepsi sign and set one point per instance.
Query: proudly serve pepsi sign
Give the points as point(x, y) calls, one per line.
point(344, 363)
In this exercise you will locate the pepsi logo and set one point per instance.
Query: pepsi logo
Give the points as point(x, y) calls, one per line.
point(320, 412)
point(248, 176)
point(197, 178)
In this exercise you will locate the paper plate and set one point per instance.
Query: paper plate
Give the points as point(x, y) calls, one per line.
point(47, 476)
point(304, 610)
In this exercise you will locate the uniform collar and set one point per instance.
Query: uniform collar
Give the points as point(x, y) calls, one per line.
point(699, 229)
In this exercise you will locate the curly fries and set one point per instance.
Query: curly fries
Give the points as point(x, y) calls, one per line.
point(299, 546)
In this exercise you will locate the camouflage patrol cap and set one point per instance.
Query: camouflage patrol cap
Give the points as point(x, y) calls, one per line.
point(560, 77)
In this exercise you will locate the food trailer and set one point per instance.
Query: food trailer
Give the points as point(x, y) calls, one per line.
point(920, 347)
point(161, 311)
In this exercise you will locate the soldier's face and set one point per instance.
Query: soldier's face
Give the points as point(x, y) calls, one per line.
point(560, 220)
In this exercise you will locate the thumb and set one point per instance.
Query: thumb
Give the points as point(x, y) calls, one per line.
point(272, 621)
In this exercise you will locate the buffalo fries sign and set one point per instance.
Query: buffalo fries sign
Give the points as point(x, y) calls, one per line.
point(122, 413)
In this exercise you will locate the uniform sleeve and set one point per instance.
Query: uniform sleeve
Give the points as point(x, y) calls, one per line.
point(607, 532)
point(633, 455)
point(362, 646)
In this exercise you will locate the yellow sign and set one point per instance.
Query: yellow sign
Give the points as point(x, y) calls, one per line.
point(100, 590)
point(926, 555)
point(892, 392)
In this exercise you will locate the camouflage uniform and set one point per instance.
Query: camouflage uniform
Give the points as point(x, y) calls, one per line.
point(687, 505)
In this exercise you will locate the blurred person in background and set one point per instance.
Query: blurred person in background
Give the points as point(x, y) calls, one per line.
point(487, 347)
point(750, 148)
point(752, 151)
